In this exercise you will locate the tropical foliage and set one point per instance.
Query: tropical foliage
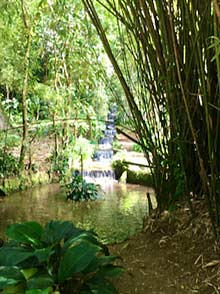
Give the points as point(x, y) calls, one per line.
point(76, 151)
point(51, 72)
point(80, 190)
point(8, 165)
point(57, 258)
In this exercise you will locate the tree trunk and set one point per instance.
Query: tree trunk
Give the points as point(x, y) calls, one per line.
point(25, 87)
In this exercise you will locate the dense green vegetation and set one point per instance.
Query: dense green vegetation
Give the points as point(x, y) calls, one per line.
point(51, 79)
point(162, 69)
point(140, 177)
point(58, 258)
point(168, 67)
point(79, 190)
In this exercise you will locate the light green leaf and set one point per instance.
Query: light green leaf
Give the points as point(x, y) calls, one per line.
point(41, 281)
point(29, 272)
point(10, 275)
point(217, 53)
point(40, 291)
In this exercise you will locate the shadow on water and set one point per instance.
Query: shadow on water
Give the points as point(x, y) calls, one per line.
point(114, 218)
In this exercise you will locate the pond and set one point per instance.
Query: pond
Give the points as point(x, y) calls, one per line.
point(114, 218)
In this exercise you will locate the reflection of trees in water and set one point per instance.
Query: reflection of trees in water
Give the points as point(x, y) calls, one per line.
point(114, 218)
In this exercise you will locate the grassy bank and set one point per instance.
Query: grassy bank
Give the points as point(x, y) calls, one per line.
point(25, 181)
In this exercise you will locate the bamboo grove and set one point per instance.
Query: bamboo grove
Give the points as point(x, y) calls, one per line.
point(169, 70)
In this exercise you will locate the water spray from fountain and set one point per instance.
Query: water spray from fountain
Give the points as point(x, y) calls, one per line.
point(104, 153)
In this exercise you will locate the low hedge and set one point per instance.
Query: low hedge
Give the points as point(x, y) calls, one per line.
point(133, 177)
point(139, 178)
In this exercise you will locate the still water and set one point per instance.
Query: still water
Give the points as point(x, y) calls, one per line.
point(114, 218)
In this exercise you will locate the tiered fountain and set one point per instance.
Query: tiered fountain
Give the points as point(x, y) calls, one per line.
point(103, 155)
point(105, 149)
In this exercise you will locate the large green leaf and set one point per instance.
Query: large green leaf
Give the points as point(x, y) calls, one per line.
point(11, 256)
point(110, 271)
point(76, 259)
point(99, 262)
point(15, 289)
point(40, 281)
point(55, 231)
point(43, 254)
point(82, 236)
point(10, 275)
point(40, 291)
point(101, 286)
point(27, 232)
point(89, 236)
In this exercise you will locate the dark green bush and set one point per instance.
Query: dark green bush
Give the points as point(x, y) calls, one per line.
point(80, 190)
point(139, 178)
point(133, 177)
point(8, 165)
point(119, 166)
point(57, 258)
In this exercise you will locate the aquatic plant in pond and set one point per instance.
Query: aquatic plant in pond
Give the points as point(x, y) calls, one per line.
point(58, 258)
point(80, 190)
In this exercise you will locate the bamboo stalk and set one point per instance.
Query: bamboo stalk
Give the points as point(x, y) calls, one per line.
point(170, 84)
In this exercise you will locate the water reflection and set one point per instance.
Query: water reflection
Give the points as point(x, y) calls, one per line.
point(116, 217)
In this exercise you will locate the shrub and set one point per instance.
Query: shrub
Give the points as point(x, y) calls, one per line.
point(58, 258)
point(80, 190)
point(137, 148)
point(60, 165)
point(117, 146)
point(13, 140)
point(8, 165)
point(119, 166)
point(75, 151)
point(140, 178)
